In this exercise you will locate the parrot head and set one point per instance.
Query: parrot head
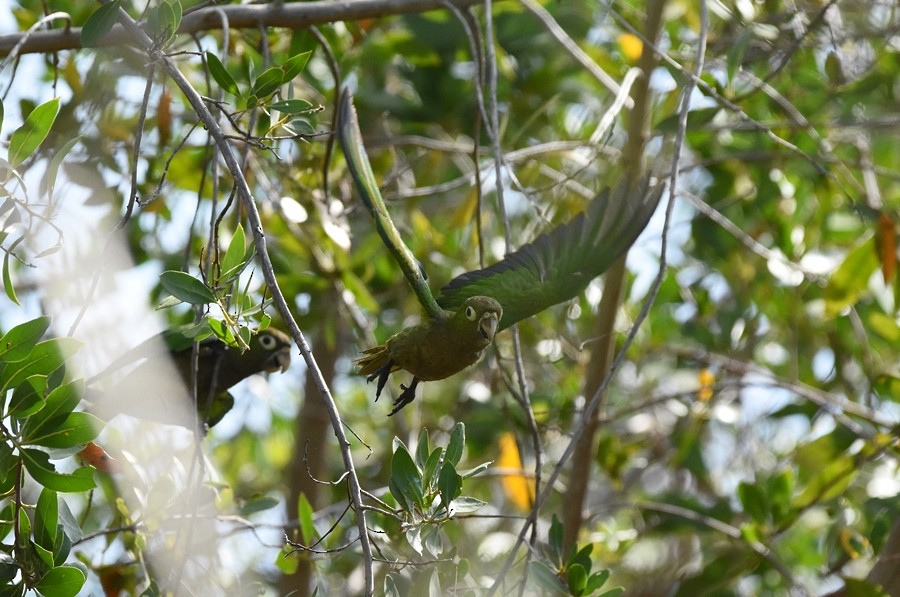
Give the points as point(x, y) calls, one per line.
point(273, 349)
point(481, 315)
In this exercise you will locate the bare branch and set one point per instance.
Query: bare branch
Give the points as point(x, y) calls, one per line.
point(239, 16)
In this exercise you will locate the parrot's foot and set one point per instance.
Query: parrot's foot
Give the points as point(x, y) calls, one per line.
point(382, 375)
point(407, 396)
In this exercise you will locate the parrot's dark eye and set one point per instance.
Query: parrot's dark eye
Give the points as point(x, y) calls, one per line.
point(470, 313)
point(267, 342)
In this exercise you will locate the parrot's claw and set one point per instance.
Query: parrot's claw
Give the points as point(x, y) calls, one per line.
point(407, 396)
point(382, 376)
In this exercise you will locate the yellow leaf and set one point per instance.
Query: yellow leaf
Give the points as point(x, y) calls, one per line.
point(518, 488)
point(631, 46)
point(707, 380)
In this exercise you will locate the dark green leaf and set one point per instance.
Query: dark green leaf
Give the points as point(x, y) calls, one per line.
point(17, 343)
point(596, 581)
point(753, 499)
point(60, 402)
point(422, 450)
point(186, 287)
point(99, 24)
point(555, 540)
point(63, 581)
point(267, 83)
point(294, 66)
point(291, 106)
point(221, 75)
point(577, 579)
point(38, 465)
point(431, 468)
point(405, 477)
point(449, 484)
point(258, 504)
point(76, 429)
point(46, 519)
point(233, 262)
point(456, 444)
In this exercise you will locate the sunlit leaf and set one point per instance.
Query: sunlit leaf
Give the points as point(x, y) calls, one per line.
point(186, 287)
point(221, 75)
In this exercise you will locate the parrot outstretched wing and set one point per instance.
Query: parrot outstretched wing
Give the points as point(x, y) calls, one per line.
point(355, 153)
point(558, 265)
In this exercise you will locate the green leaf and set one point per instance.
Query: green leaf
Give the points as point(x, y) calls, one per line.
point(422, 450)
point(7, 279)
point(62, 581)
point(577, 579)
point(545, 577)
point(456, 444)
point(60, 402)
point(99, 24)
point(221, 75)
point(76, 429)
point(431, 468)
point(305, 517)
point(449, 484)
point(46, 519)
point(268, 82)
point(186, 287)
point(38, 465)
point(753, 499)
point(465, 504)
point(851, 279)
point(233, 262)
point(555, 540)
point(294, 66)
point(291, 106)
point(474, 471)
point(27, 138)
point(596, 581)
point(44, 359)
point(258, 504)
point(405, 482)
point(17, 343)
point(613, 592)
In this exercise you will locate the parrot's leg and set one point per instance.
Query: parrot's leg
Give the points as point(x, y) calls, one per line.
point(407, 396)
point(382, 375)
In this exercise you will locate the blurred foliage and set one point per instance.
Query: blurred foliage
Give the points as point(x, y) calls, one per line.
point(748, 445)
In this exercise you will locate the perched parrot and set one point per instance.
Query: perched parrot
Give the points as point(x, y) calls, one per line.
point(218, 367)
point(472, 308)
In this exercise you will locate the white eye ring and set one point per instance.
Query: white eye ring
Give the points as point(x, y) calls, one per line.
point(267, 341)
point(470, 313)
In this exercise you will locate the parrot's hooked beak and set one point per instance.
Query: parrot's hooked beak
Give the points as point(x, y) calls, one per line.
point(487, 326)
point(280, 361)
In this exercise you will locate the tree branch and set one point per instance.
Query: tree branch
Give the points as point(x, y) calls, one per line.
point(238, 16)
point(246, 196)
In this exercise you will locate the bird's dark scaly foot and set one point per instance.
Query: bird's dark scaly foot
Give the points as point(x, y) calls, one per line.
point(382, 375)
point(407, 396)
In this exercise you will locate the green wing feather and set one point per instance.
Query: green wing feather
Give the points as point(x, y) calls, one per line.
point(558, 265)
point(355, 153)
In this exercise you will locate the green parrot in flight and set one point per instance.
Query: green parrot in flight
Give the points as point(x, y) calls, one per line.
point(473, 307)
point(218, 368)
